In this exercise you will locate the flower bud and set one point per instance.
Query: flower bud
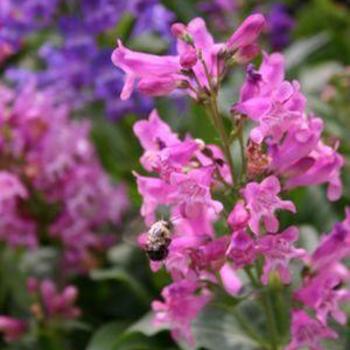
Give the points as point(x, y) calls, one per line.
point(188, 59)
point(178, 30)
point(247, 32)
point(246, 53)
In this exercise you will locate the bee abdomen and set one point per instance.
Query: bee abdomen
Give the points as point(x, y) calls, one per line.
point(157, 254)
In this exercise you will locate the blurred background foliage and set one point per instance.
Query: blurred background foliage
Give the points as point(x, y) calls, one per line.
point(116, 297)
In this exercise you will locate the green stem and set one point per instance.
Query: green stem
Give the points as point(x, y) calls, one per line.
point(267, 306)
point(243, 158)
point(225, 142)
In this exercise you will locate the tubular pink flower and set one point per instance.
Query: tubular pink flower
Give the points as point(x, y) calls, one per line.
point(308, 332)
point(239, 217)
point(322, 293)
point(180, 306)
point(269, 100)
point(230, 280)
point(262, 202)
point(326, 167)
point(242, 249)
point(278, 250)
point(247, 33)
point(143, 66)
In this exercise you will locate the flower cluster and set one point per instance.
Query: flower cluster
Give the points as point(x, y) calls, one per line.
point(19, 19)
point(198, 64)
point(53, 187)
point(283, 150)
point(78, 69)
point(48, 305)
point(292, 137)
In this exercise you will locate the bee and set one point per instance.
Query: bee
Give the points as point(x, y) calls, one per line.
point(158, 240)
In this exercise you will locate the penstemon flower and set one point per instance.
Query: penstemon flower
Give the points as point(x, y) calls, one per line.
point(48, 163)
point(224, 217)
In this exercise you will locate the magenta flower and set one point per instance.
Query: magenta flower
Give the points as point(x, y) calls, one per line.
point(247, 33)
point(12, 328)
point(154, 134)
point(143, 67)
point(308, 332)
point(326, 167)
point(333, 247)
point(269, 100)
point(164, 152)
point(191, 195)
point(181, 305)
point(59, 304)
point(278, 251)
point(155, 192)
point(160, 75)
point(242, 249)
point(230, 280)
point(239, 217)
point(322, 293)
point(288, 156)
point(262, 202)
point(11, 187)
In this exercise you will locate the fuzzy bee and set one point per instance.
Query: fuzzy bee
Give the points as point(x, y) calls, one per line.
point(158, 240)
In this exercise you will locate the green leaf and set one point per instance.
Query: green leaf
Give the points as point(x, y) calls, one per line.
point(226, 328)
point(123, 276)
point(105, 337)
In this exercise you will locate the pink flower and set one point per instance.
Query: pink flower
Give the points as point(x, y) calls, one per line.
point(191, 195)
point(164, 152)
point(262, 202)
point(326, 167)
point(333, 247)
point(180, 307)
point(242, 249)
point(278, 251)
point(308, 332)
point(230, 280)
point(59, 304)
point(12, 328)
point(11, 187)
point(269, 100)
point(299, 141)
point(247, 33)
point(155, 192)
point(160, 75)
point(239, 217)
point(143, 67)
point(322, 293)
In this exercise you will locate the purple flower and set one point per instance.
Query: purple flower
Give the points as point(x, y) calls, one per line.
point(278, 250)
point(262, 202)
point(280, 24)
point(160, 75)
point(324, 167)
point(55, 304)
point(324, 294)
point(180, 306)
point(269, 100)
point(308, 332)
point(242, 249)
